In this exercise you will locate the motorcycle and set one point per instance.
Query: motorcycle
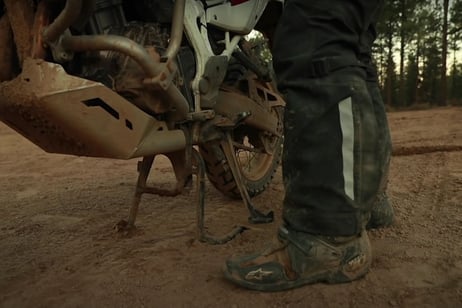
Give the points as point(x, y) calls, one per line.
point(114, 79)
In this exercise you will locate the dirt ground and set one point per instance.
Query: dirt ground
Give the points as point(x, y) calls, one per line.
point(58, 247)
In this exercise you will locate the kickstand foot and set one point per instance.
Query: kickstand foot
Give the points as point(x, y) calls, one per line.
point(259, 218)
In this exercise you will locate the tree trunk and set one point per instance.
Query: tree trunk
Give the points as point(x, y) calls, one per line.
point(443, 91)
point(417, 80)
point(402, 46)
point(389, 76)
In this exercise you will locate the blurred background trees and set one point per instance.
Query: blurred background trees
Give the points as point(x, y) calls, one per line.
point(418, 52)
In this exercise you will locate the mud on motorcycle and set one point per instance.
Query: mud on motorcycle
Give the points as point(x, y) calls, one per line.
point(127, 79)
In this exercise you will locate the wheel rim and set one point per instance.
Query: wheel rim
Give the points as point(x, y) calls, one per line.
point(253, 161)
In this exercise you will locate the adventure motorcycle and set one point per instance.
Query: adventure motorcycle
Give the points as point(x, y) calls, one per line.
point(126, 79)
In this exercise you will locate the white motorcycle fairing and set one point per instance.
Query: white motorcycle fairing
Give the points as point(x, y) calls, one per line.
point(239, 18)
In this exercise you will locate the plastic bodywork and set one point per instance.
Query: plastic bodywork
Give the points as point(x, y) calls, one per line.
point(240, 18)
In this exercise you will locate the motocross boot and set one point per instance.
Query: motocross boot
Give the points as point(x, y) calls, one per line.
point(296, 259)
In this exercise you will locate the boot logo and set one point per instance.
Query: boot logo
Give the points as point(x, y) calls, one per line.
point(258, 274)
point(356, 263)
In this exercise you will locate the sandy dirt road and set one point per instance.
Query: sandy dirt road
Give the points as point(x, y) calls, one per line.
point(58, 247)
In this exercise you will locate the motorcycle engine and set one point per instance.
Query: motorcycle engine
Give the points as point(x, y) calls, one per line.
point(119, 72)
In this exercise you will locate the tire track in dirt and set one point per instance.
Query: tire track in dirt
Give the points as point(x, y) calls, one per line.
point(419, 150)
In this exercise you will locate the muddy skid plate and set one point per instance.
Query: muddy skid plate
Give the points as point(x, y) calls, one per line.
point(69, 115)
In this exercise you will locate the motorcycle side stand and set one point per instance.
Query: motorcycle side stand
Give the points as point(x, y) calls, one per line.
point(256, 217)
point(202, 234)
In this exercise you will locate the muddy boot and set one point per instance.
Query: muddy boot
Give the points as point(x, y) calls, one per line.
point(382, 214)
point(297, 259)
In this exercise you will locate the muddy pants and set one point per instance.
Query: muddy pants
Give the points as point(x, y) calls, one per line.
point(335, 148)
